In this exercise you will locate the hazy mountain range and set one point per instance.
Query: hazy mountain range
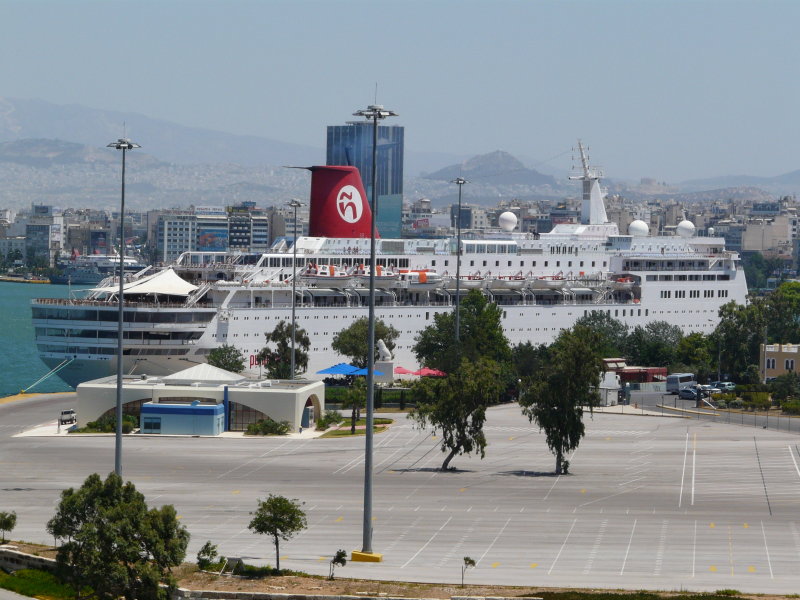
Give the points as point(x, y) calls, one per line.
point(56, 155)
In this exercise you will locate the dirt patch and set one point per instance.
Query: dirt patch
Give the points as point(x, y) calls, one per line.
point(189, 577)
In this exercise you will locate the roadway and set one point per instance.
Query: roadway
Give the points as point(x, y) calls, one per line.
point(652, 502)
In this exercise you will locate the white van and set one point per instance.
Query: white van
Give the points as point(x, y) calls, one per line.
point(678, 381)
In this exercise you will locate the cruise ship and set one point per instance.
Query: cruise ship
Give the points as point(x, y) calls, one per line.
point(174, 317)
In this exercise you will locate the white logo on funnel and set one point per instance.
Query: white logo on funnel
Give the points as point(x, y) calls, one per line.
point(349, 204)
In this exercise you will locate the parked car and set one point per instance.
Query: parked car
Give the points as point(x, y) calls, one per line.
point(687, 394)
point(67, 417)
point(725, 386)
point(709, 390)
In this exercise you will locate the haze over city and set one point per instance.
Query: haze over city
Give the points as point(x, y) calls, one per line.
point(669, 90)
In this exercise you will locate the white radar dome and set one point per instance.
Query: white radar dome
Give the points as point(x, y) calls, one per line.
point(638, 228)
point(685, 229)
point(710, 232)
point(507, 221)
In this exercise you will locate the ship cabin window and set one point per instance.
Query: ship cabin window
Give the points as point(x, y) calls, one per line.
point(472, 263)
point(433, 264)
point(509, 263)
point(484, 263)
point(604, 263)
point(640, 313)
point(646, 312)
point(497, 263)
point(545, 263)
point(427, 317)
point(446, 262)
point(558, 263)
point(581, 263)
point(534, 264)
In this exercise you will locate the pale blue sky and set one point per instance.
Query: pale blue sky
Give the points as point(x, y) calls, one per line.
point(668, 89)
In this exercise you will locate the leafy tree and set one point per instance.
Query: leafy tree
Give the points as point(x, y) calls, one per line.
point(8, 520)
point(114, 544)
point(527, 359)
point(278, 362)
point(468, 563)
point(785, 387)
point(226, 357)
point(694, 351)
point(207, 555)
point(740, 333)
point(355, 398)
point(556, 396)
point(279, 517)
point(481, 336)
point(339, 559)
point(456, 405)
point(611, 332)
point(352, 341)
point(783, 313)
point(653, 345)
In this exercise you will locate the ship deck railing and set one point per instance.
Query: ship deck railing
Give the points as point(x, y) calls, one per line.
point(113, 303)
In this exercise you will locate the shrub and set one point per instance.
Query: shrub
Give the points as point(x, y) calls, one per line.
point(331, 417)
point(268, 427)
point(108, 424)
point(791, 407)
point(35, 583)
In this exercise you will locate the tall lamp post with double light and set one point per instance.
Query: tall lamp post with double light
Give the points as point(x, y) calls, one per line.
point(295, 204)
point(123, 144)
point(459, 181)
point(374, 113)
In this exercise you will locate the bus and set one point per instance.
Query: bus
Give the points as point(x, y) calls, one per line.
point(678, 381)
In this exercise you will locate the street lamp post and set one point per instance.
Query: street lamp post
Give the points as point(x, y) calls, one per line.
point(123, 144)
point(373, 112)
point(459, 181)
point(295, 204)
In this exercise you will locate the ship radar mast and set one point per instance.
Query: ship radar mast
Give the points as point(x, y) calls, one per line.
point(593, 210)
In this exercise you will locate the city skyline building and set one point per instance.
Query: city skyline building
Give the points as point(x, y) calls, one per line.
point(351, 145)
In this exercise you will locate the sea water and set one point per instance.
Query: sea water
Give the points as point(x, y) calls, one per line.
point(20, 366)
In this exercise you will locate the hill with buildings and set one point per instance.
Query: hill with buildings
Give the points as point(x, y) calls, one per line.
point(496, 168)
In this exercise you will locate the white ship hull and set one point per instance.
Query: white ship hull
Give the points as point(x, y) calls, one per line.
point(170, 323)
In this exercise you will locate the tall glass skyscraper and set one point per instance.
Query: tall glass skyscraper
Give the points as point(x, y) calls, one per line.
point(351, 145)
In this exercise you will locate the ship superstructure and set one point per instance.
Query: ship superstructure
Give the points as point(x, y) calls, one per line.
point(543, 283)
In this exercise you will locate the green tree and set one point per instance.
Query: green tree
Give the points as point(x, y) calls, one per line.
point(481, 336)
point(740, 333)
point(653, 345)
point(527, 359)
point(352, 341)
point(8, 520)
point(278, 362)
point(207, 555)
point(784, 387)
point(456, 406)
point(114, 544)
point(355, 398)
point(227, 357)
point(783, 313)
point(611, 332)
point(339, 559)
point(695, 352)
point(556, 396)
point(279, 517)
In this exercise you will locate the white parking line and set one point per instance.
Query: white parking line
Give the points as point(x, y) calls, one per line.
point(683, 473)
point(555, 560)
point(766, 549)
point(789, 448)
point(630, 540)
point(497, 537)
point(428, 542)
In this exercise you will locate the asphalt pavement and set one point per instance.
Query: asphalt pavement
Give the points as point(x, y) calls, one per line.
point(651, 502)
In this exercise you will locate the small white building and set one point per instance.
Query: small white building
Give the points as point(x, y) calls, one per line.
point(300, 402)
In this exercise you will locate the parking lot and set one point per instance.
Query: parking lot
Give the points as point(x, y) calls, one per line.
point(651, 502)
